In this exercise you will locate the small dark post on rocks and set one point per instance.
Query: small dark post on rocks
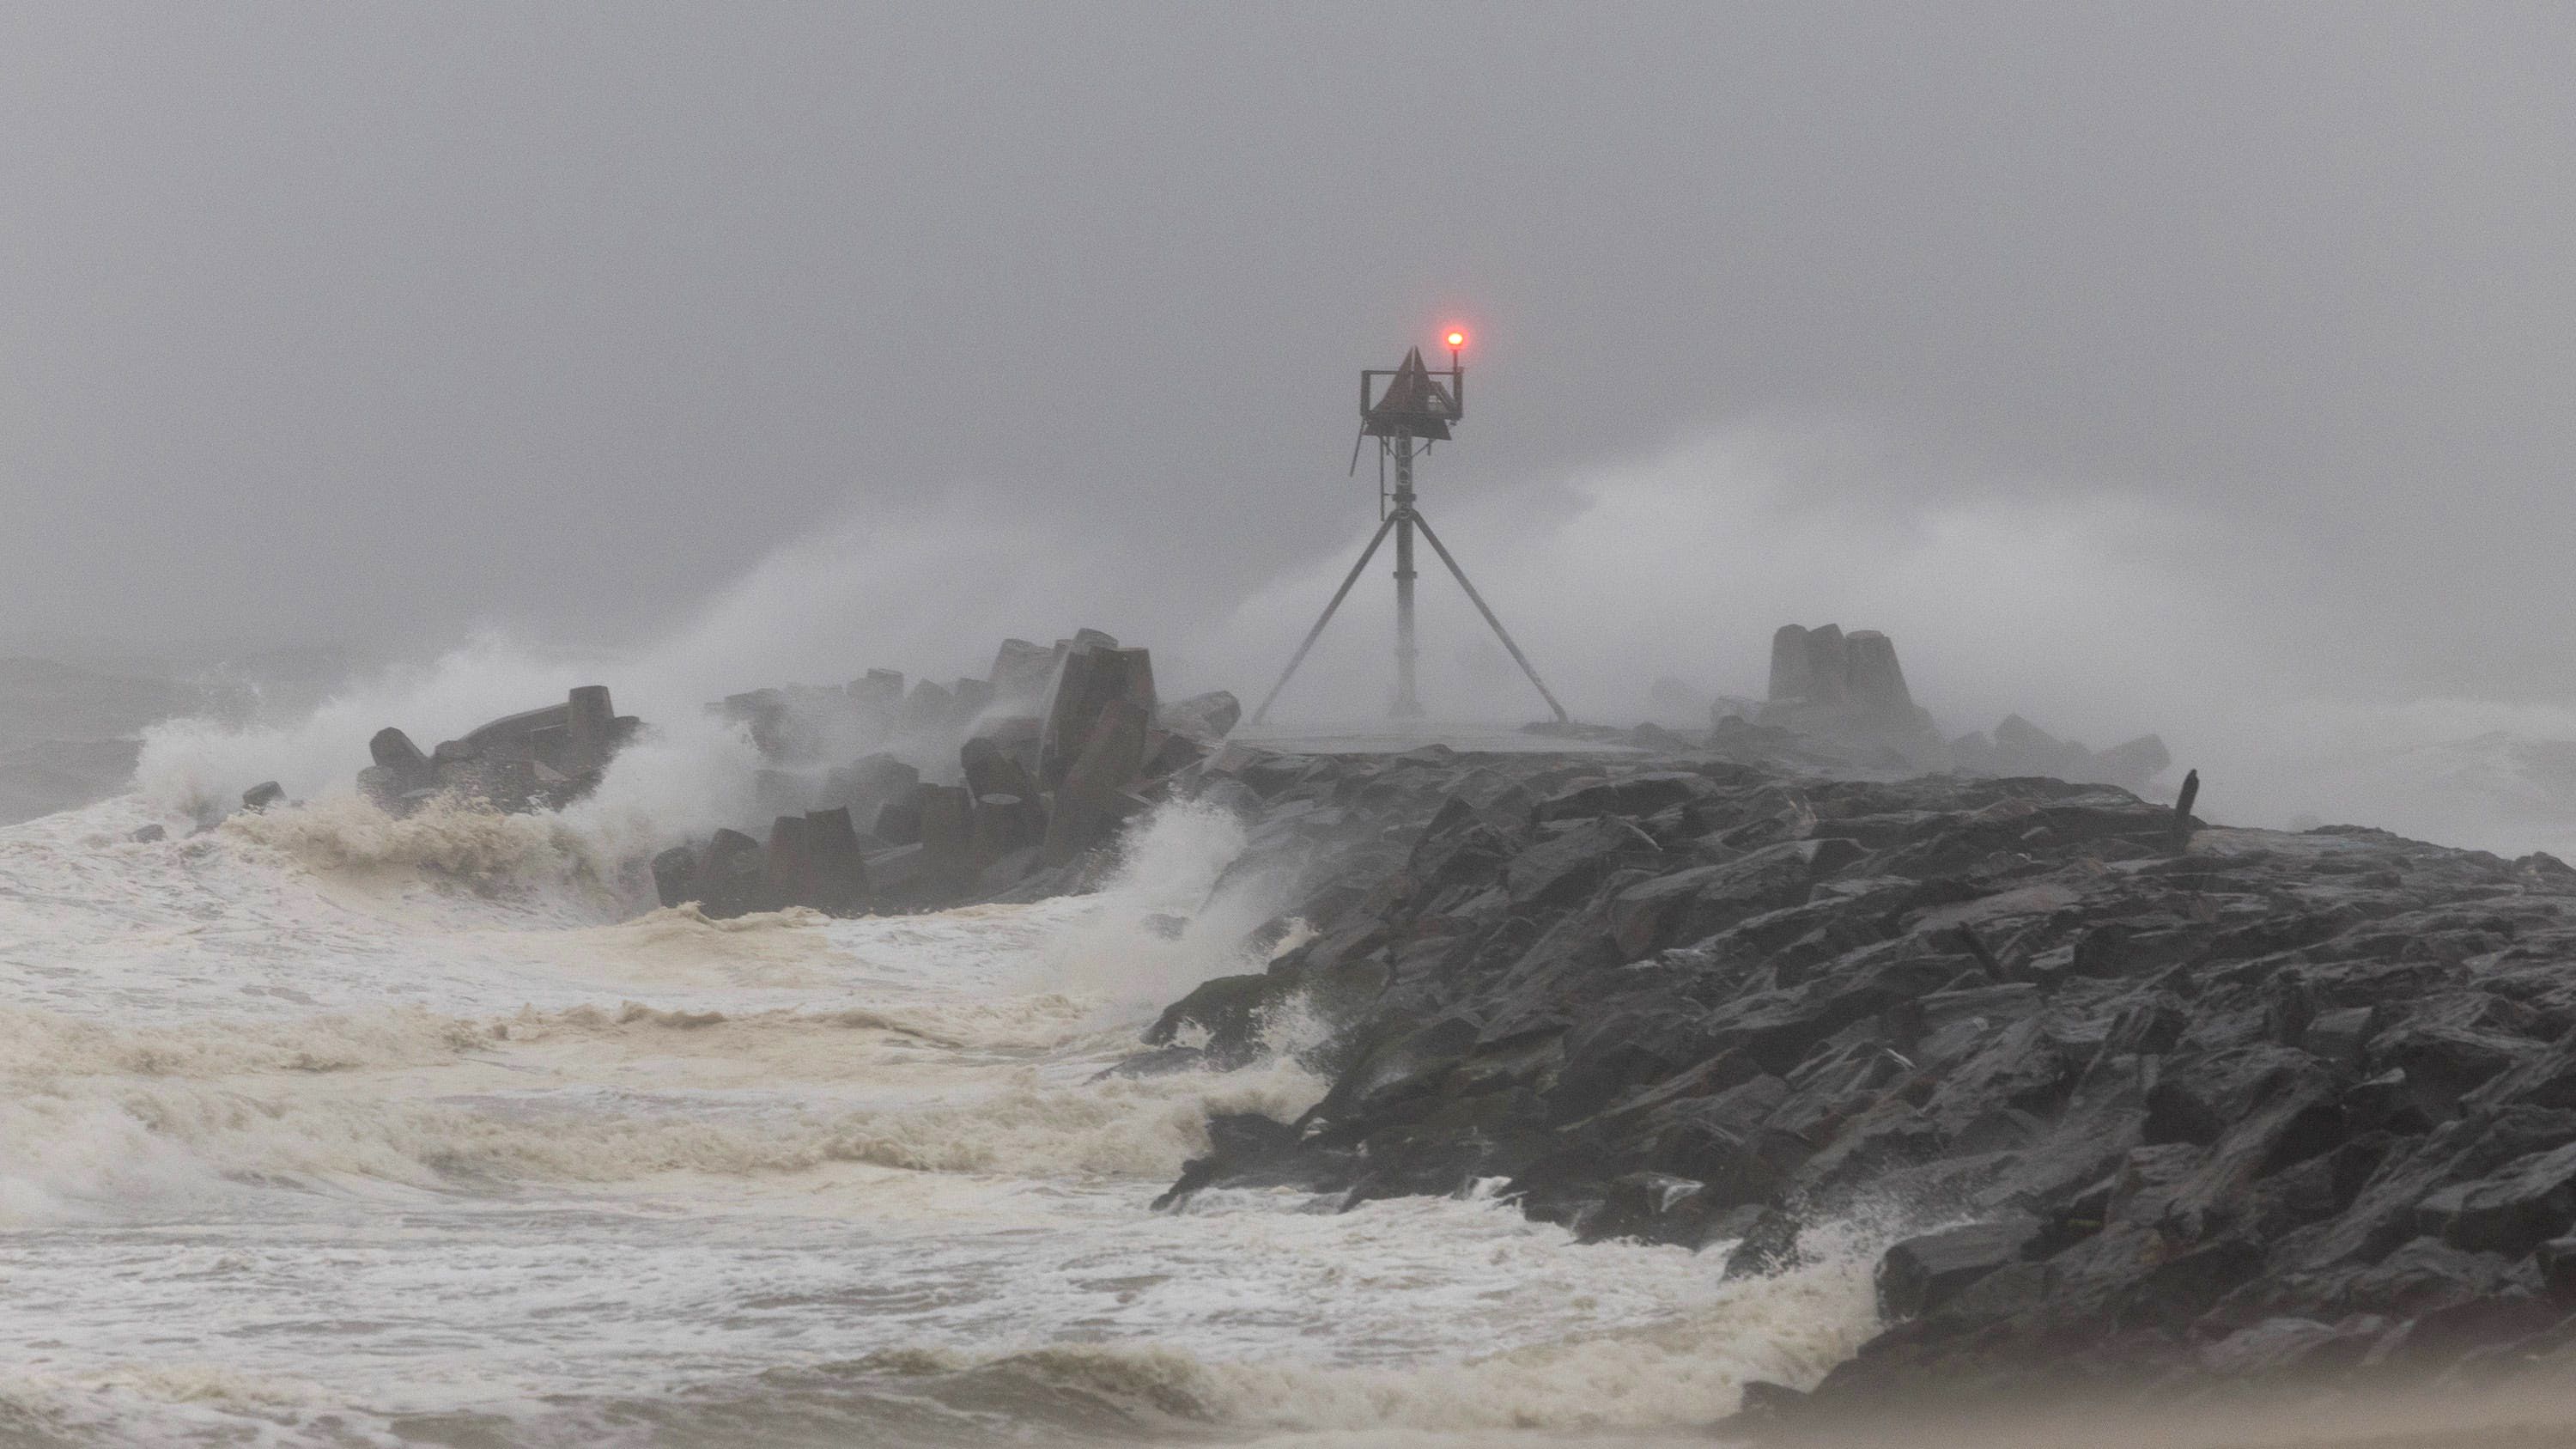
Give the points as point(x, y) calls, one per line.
point(2182, 811)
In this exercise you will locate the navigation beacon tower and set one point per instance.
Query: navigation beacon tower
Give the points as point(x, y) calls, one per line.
point(1414, 409)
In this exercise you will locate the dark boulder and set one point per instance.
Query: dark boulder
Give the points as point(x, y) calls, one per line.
point(539, 759)
point(931, 709)
point(898, 821)
point(590, 730)
point(1006, 824)
point(989, 770)
point(2512, 1210)
point(729, 875)
point(947, 832)
point(1020, 673)
point(787, 864)
point(1210, 716)
point(2280, 1348)
point(1091, 802)
point(393, 750)
point(1653, 1207)
point(1243, 1147)
point(875, 699)
point(1090, 681)
point(1924, 1272)
point(1225, 1017)
point(866, 786)
point(836, 870)
point(675, 875)
point(2545, 1078)
point(1769, 1245)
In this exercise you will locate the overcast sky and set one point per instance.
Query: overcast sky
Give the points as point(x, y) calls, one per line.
point(367, 322)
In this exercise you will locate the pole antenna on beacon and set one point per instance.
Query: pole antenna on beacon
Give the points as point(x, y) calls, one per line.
point(1415, 406)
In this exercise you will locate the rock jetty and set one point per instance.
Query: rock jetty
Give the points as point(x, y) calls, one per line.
point(539, 759)
point(878, 796)
point(2133, 1100)
point(888, 798)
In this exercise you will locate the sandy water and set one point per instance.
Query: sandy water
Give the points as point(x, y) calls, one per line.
point(324, 1129)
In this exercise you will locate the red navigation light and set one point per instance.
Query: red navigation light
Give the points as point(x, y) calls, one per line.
point(1456, 339)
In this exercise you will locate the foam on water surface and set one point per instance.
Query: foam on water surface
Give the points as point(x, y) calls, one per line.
point(323, 1128)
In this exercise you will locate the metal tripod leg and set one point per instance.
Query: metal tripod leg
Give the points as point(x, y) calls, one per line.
point(1339, 594)
point(1479, 601)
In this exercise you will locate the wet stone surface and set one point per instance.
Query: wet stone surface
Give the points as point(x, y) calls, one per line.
point(2144, 1106)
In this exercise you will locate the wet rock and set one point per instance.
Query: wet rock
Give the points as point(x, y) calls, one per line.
point(1769, 1246)
point(2392, 1102)
point(875, 699)
point(2340, 1037)
point(1090, 680)
point(590, 730)
point(1224, 1016)
point(2131, 764)
point(2556, 1260)
point(2018, 747)
point(1653, 1207)
point(675, 875)
point(1924, 1272)
point(729, 875)
point(393, 750)
point(866, 786)
point(262, 795)
point(1010, 877)
point(1210, 716)
point(2279, 1104)
point(968, 700)
point(835, 871)
point(989, 770)
point(1167, 754)
point(2510, 1211)
point(538, 759)
point(1765, 1409)
point(1810, 664)
point(947, 829)
point(2544, 1078)
point(1020, 673)
point(1875, 681)
point(931, 709)
point(1091, 802)
point(897, 878)
point(2280, 1347)
point(1243, 1147)
point(763, 715)
point(1691, 904)
point(1005, 824)
point(786, 864)
point(1849, 690)
point(386, 790)
point(2425, 1276)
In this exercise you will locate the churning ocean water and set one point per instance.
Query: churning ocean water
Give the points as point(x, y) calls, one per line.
point(320, 1128)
